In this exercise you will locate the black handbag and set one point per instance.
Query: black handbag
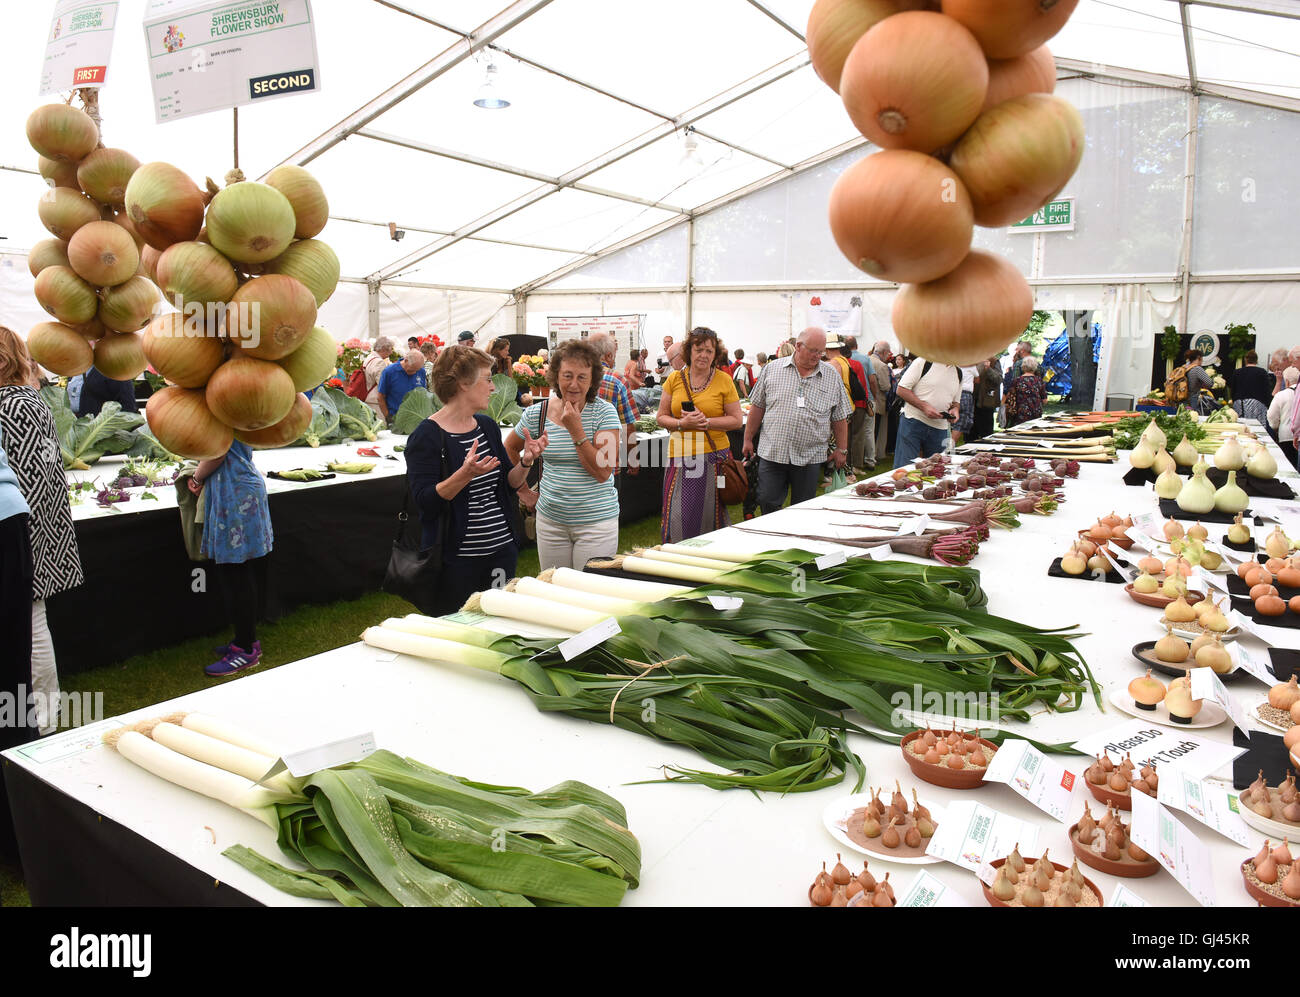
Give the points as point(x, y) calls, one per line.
point(413, 573)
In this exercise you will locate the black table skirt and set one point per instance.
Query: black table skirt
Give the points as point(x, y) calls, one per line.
point(142, 591)
point(74, 857)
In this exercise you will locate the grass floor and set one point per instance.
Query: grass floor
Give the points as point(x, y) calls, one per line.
point(169, 672)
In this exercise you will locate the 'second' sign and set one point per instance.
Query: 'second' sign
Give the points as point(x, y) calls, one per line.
point(279, 83)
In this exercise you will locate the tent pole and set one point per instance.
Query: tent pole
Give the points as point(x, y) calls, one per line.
point(1189, 209)
point(372, 307)
point(690, 273)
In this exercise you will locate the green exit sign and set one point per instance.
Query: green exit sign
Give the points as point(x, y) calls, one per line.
point(1055, 216)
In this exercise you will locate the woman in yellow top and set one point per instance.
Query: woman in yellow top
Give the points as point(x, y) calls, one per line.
point(700, 406)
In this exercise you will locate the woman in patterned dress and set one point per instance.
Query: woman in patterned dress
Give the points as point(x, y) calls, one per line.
point(237, 537)
point(1026, 395)
point(32, 446)
point(699, 444)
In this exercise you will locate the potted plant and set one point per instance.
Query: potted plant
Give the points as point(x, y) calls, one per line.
point(1240, 340)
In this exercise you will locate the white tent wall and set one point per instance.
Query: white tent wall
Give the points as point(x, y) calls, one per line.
point(346, 314)
point(1273, 307)
point(664, 311)
point(406, 311)
point(18, 308)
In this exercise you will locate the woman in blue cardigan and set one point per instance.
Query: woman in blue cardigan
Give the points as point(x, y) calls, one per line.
point(460, 475)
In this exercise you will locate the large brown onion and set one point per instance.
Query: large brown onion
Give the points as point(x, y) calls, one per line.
point(283, 432)
point(184, 353)
point(105, 173)
point(47, 253)
point(58, 173)
point(103, 254)
point(312, 262)
point(165, 205)
point(312, 362)
point(128, 307)
point(966, 316)
point(1018, 156)
point(1034, 72)
point(916, 81)
point(63, 210)
point(834, 26)
point(189, 272)
point(1008, 28)
point(311, 209)
point(902, 216)
point(270, 316)
point(62, 132)
point(59, 349)
point(180, 419)
point(247, 393)
point(65, 295)
point(250, 222)
point(120, 356)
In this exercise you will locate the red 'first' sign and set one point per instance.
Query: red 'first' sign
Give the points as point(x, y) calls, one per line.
point(86, 75)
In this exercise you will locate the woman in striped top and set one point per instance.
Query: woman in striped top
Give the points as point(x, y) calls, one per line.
point(577, 511)
point(457, 466)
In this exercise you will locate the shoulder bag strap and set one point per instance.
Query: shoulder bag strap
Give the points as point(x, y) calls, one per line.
point(404, 517)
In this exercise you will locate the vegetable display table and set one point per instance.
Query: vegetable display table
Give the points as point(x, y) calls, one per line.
point(700, 846)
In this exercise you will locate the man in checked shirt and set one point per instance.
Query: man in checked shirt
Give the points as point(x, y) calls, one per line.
point(615, 391)
point(796, 400)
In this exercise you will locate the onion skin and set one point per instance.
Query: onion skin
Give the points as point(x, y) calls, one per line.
point(105, 173)
point(1018, 156)
point(194, 272)
point(123, 220)
point(179, 417)
point(66, 296)
point(164, 204)
point(1034, 72)
point(249, 394)
point(250, 222)
point(120, 356)
point(59, 349)
point(62, 132)
point(47, 253)
point(314, 263)
point(103, 254)
point(270, 317)
point(186, 356)
point(312, 362)
point(283, 432)
point(149, 262)
point(834, 26)
point(58, 173)
point(966, 316)
point(916, 80)
point(1008, 28)
point(311, 209)
point(902, 216)
point(62, 211)
point(129, 307)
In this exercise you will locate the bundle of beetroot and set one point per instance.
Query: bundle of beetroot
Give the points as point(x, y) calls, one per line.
point(955, 547)
point(999, 512)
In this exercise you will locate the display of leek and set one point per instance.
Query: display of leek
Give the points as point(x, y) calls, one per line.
point(388, 831)
point(817, 642)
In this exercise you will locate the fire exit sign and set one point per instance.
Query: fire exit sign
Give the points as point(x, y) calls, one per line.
point(1055, 216)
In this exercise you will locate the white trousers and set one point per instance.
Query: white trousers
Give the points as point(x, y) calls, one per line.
point(562, 546)
point(45, 675)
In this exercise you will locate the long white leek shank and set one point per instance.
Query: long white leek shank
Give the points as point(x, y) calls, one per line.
point(208, 780)
point(667, 569)
point(572, 597)
point(624, 588)
point(224, 730)
point(241, 761)
point(694, 560)
point(714, 553)
point(432, 648)
point(530, 609)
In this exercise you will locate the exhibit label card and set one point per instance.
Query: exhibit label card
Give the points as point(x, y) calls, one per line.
point(1151, 744)
point(1251, 663)
point(1210, 803)
point(926, 891)
point(78, 45)
point(1031, 774)
point(830, 560)
point(1124, 897)
point(1206, 685)
point(1159, 833)
point(589, 638)
point(972, 834)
